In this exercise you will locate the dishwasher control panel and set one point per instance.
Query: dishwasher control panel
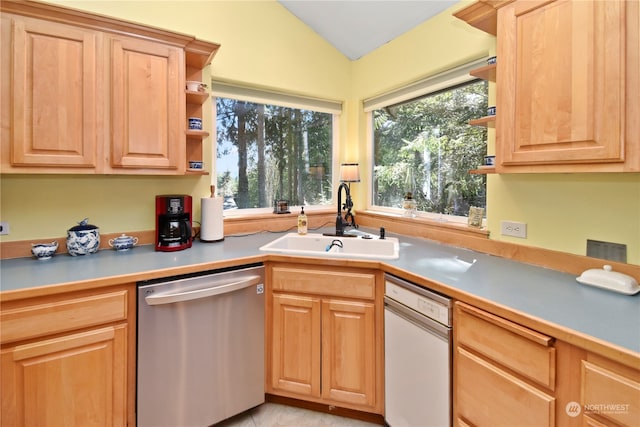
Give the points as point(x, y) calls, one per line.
point(424, 305)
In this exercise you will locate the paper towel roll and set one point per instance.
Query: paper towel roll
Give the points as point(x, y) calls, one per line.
point(212, 224)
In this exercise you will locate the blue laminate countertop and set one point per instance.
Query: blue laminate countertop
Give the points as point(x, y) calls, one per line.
point(545, 294)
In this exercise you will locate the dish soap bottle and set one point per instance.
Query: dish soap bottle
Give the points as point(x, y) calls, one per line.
point(302, 222)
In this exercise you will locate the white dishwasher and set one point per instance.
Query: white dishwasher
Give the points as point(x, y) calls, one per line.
point(200, 347)
point(417, 343)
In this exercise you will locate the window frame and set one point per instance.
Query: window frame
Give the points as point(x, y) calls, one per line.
point(232, 90)
point(444, 80)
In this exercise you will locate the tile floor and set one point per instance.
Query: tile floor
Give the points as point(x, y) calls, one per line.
point(277, 415)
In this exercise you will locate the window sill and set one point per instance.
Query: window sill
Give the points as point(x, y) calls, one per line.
point(420, 226)
point(261, 220)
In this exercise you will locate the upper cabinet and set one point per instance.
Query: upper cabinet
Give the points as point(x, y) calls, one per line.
point(147, 102)
point(51, 103)
point(83, 97)
point(567, 82)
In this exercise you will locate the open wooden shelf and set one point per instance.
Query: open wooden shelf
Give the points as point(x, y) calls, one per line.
point(488, 72)
point(194, 97)
point(483, 171)
point(196, 172)
point(481, 15)
point(487, 121)
point(193, 133)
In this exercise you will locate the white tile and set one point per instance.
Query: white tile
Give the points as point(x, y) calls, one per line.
point(276, 415)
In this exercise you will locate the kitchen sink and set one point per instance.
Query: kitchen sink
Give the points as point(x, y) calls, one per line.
point(360, 246)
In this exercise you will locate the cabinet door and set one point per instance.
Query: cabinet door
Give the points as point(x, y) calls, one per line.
point(53, 103)
point(561, 82)
point(348, 352)
point(147, 106)
point(488, 396)
point(610, 392)
point(296, 345)
point(73, 380)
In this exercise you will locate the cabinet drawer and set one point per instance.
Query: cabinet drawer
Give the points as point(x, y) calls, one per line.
point(60, 316)
point(486, 393)
point(333, 283)
point(610, 394)
point(522, 350)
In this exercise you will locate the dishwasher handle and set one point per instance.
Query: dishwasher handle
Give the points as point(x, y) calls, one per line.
point(217, 289)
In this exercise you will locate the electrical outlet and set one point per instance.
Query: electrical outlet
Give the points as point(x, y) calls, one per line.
point(514, 229)
point(4, 228)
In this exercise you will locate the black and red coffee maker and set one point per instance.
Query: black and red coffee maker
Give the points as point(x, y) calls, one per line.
point(173, 222)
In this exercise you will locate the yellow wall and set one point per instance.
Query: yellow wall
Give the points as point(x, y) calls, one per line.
point(264, 45)
point(439, 44)
point(562, 211)
point(261, 44)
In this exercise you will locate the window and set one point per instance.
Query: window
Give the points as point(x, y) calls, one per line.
point(424, 146)
point(269, 151)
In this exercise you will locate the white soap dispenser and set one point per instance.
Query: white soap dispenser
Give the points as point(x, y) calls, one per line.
point(302, 222)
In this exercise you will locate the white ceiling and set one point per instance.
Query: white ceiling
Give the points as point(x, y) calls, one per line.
point(356, 27)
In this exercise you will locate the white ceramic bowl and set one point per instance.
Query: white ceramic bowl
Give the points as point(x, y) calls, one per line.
point(44, 251)
point(193, 86)
point(123, 243)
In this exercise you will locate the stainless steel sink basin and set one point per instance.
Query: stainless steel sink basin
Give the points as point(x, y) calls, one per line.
point(335, 246)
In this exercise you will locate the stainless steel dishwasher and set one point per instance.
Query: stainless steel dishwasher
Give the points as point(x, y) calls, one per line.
point(417, 342)
point(200, 348)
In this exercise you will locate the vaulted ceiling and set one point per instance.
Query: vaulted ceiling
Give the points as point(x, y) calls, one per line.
point(357, 27)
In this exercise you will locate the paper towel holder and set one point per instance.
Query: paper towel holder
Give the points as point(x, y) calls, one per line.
point(212, 224)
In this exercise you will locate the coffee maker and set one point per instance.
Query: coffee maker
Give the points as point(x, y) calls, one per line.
point(173, 222)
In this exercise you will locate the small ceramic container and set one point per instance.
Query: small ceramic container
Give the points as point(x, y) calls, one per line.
point(489, 160)
point(195, 123)
point(193, 85)
point(83, 239)
point(195, 164)
point(44, 251)
point(491, 111)
point(123, 242)
point(492, 60)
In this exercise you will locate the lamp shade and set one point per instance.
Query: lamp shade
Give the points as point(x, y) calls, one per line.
point(349, 172)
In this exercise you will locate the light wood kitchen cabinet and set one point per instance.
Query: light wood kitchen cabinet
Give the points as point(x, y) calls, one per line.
point(54, 95)
point(609, 392)
point(296, 340)
point(83, 97)
point(69, 359)
point(571, 105)
point(504, 373)
point(147, 105)
point(324, 334)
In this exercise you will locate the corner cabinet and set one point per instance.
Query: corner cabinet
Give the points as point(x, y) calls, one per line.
point(83, 97)
point(570, 106)
point(325, 336)
point(69, 359)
